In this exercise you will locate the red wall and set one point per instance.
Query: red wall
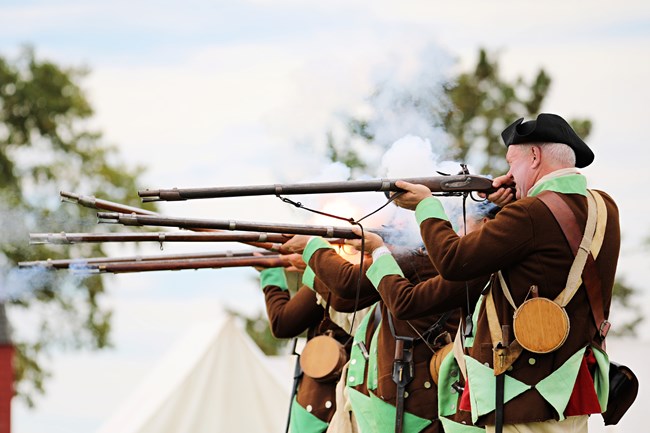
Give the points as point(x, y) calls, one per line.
point(6, 386)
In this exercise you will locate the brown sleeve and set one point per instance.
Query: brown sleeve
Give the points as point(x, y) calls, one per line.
point(291, 316)
point(498, 244)
point(341, 276)
point(408, 301)
point(344, 305)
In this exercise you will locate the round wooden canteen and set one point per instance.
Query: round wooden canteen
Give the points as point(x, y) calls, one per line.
point(323, 358)
point(540, 325)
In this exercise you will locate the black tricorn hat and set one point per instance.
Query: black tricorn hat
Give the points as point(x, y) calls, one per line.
point(548, 128)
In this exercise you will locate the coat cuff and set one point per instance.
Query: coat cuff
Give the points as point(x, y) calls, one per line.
point(308, 277)
point(384, 265)
point(313, 245)
point(273, 277)
point(430, 207)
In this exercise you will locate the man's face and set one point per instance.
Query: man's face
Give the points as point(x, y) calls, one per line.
point(520, 160)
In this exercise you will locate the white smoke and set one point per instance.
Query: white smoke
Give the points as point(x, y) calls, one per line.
point(410, 98)
point(22, 283)
point(13, 228)
point(410, 156)
point(404, 116)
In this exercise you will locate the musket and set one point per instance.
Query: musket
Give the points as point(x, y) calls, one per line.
point(447, 185)
point(177, 265)
point(106, 205)
point(83, 262)
point(93, 202)
point(179, 236)
point(190, 223)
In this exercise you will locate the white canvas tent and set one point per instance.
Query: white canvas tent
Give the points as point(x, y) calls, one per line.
point(214, 380)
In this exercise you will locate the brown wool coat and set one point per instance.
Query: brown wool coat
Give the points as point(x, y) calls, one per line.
point(291, 316)
point(341, 278)
point(527, 244)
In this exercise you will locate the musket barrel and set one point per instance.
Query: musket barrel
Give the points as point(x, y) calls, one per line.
point(456, 184)
point(93, 202)
point(176, 265)
point(74, 238)
point(192, 223)
point(81, 263)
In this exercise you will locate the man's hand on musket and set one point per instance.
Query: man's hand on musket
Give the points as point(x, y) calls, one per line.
point(296, 244)
point(297, 263)
point(505, 192)
point(372, 240)
point(413, 194)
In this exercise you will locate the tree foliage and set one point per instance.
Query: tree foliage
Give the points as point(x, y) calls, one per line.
point(46, 145)
point(483, 103)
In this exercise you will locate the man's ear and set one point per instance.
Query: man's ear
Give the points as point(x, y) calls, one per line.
point(536, 155)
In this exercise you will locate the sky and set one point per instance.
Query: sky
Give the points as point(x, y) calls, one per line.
point(208, 93)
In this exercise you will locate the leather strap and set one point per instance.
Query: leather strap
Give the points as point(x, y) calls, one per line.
point(580, 245)
point(403, 371)
point(504, 353)
point(574, 279)
point(567, 221)
point(506, 291)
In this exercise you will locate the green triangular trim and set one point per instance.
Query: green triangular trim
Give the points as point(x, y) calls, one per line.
point(303, 421)
point(384, 413)
point(601, 379)
point(430, 207)
point(469, 341)
point(447, 396)
point(313, 245)
point(456, 427)
point(372, 361)
point(357, 365)
point(568, 184)
point(384, 265)
point(482, 388)
point(557, 387)
point(363, 411)
point(273, 277)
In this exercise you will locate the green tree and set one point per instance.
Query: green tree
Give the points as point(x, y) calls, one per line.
point(46, 146)
point(483, 103)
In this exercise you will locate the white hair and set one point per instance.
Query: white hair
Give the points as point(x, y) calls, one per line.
point(560, 153)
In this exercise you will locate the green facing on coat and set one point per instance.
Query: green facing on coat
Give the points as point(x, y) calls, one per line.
point(303, 421)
